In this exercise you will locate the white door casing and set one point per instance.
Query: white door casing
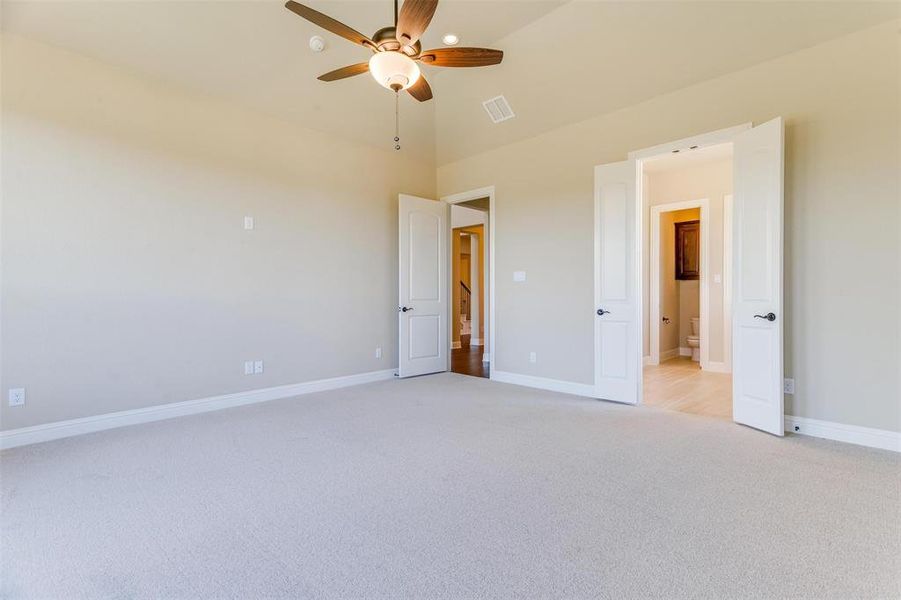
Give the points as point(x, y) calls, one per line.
point(489, 327)
point(617, 294)
point(422, 299)
point(757, 316)
point(475, 272)
point(655, 284)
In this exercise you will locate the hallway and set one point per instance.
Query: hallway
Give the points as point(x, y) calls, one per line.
point(468, 359)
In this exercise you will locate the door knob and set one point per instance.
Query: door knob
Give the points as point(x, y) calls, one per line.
point(769, 317)
point(405, 308)
point(602, 312)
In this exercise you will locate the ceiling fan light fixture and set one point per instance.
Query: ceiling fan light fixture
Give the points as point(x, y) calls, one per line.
point(393, 70)
point(398, 49)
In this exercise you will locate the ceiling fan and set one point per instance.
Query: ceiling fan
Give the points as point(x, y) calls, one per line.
point(397, 50)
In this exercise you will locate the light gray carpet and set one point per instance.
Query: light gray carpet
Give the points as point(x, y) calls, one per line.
point(448, 487)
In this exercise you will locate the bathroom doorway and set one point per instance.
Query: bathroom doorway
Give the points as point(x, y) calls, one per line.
point(687, 302)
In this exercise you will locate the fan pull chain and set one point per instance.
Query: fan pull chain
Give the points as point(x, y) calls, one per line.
point(396, 122)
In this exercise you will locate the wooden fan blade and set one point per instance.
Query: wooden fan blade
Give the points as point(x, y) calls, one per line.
point(344, 72)
point(414, 17)
point(461, 57)
point(421, 89)
point(328, 23)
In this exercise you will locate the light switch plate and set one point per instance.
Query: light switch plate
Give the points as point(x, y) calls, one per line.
point(17, 396)
point(248, 367)
point(248, 222)
point(533, 358)
point(519, 275)
point(717, 278)
point(258, 367)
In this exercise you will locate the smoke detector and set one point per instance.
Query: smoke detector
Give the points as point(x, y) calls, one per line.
point(317, 44)
point(498, 109)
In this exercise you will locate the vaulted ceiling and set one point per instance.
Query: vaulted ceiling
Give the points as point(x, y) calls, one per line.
point(257, 53)
point(588, 58)
point(564, 61)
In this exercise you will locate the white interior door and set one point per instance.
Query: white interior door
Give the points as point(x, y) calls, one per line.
point(617, 355)
point(422, 302)
point(757, 398)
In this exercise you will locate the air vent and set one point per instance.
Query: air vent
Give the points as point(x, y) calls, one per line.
point(498, 109)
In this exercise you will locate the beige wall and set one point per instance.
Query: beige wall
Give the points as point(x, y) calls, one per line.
point(676, 301)
point(840, 102)
point(128, 279)
point(669, 287)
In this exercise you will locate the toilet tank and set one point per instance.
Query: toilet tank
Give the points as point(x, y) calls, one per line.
point(695, 326)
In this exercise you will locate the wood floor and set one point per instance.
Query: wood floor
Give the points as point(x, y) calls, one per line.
point(679, 384)
point(468, 359)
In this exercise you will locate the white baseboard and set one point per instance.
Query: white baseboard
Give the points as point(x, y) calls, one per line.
point(543, 383)
point(486, 357)
point(672, 353)
point(684, 351)
point(475, 341)
point(63, 429)
point(852, 434)
point(456, 345)
point(717, 367)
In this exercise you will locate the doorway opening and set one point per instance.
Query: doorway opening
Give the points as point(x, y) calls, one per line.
point(469, 285)
point(687, 300)
point(686, 278)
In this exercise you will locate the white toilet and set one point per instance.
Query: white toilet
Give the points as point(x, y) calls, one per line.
point(694, 340)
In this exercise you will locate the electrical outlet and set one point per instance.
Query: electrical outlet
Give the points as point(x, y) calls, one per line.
point(533, 358)
point(248, 367)
point(257, 367)
point(378, 352)
point(788, 385)
point(17, 397)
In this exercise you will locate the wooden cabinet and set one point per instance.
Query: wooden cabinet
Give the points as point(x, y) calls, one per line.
point(688, 249)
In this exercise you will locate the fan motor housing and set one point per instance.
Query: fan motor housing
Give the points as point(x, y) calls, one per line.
point(386, 40)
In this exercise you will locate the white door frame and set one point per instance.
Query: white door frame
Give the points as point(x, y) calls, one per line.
point(727, 283)
point(713, 138)
point(476, 194)
point(654, 277)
